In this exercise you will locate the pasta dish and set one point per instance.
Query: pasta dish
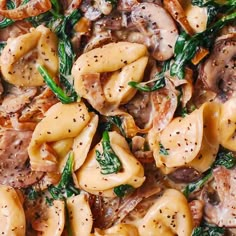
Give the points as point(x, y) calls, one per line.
point(117, 117)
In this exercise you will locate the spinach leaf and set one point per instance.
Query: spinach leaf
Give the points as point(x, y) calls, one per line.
point(203, 3)
point(5, 21)
point(115, 120)
point(195, 186)
point(56, 7)
point(31, 193)
point(224, 158)
point(159, 81)
point(62, 26)
point(123, 190)
point(2, 45)
point(190, 45)
point(108, 160)
point(163, 150)
point(208, 230)
point(66, 187)
point(60, 94)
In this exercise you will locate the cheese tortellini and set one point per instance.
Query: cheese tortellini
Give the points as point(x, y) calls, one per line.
point(12, 216)
point(22, 55)
point(91, 180)
point(81, 220)
point(170, 215)
point(119, 229)
point(192, 140)
point(127, 65)
point(228, 124)
point(55, 126)
point(53, 220)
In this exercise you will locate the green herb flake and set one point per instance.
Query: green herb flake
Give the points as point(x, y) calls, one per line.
point(208, 230)
point(123, 190)
point(163, 150)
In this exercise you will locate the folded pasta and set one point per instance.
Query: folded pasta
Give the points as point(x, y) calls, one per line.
point(91, 179)
point(11, 212)
point(119, 229)
point(61, 122)
point(81, 220)
point(228, 124)
point(190, 141)
point(52, 221)
point(170, 215)
point(109, 90)
point(22, 55)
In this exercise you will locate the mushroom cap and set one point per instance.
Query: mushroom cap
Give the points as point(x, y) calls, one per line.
point(218, 72)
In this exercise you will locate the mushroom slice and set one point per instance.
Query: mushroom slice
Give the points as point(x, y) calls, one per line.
point(218, 72)
point(12, 216)
point(197, 208)
point(161, 28)
point(170, 215)
point(22, 55)
point(223, 214)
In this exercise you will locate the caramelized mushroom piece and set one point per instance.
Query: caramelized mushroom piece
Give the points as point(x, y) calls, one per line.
point(185, 175)
point(218, 72)
point(154, 21)
point(224, 213)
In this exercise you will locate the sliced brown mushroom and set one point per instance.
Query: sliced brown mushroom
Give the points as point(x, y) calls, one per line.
point(218, 73)
point(154, 21)
point(222, 214)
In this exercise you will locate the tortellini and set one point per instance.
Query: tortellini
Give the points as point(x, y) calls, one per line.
point(127, 65)
point(82, 142)
point(12, 216)
point(119, 229)
point(61, 122)
point(91, 180)
point(196, 16)
point(192, 140)
point(81, 220)
point(228, 124)
point(53, 220)
point(22, 55)
point(80, 145)
point(170, 215)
